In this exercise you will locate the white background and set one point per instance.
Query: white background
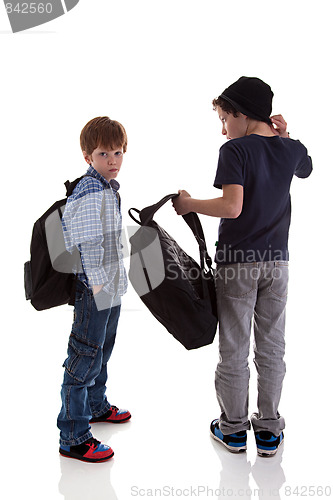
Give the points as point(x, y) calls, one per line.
point(155, 66)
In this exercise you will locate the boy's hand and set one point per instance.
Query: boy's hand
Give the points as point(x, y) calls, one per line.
point(97, 288)
point(180, 204)
point(280, 127)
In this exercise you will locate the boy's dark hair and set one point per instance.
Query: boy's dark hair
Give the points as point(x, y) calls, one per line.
point(225, 106)
point(102, 132)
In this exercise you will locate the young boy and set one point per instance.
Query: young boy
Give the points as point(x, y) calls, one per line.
point(92, 222)
point(255, 169)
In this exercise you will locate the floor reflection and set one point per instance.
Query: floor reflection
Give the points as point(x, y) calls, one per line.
point(269, 475)
point(85, 481)
point(237, 473)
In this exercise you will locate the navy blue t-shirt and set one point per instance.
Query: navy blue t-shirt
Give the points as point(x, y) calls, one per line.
point(264, 166)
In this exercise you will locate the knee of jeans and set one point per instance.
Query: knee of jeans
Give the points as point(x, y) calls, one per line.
point(83, 358)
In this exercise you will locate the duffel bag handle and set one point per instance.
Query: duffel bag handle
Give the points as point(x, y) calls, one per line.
point(191, 219)
point(132, 216)
point(146, 214)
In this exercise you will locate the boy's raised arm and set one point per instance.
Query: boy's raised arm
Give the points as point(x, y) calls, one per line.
point(229, 206)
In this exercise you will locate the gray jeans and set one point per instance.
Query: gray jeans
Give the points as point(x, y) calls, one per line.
point(245, 292)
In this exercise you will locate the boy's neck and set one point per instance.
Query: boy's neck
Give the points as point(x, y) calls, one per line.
point(259, 128)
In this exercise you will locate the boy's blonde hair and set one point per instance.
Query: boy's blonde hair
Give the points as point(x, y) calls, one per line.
point(102, 132)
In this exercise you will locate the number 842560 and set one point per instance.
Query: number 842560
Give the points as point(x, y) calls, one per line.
point(29, 8)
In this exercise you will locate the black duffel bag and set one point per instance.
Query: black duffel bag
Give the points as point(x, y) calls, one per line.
point(178, 291)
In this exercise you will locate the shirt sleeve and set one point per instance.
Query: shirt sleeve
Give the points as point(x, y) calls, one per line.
point(230, 168)
point(304, 167)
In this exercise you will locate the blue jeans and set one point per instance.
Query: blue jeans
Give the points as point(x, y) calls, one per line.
point(252, 292)
point(89, 349)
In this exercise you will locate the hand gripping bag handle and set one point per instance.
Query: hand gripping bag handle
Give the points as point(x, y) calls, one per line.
point(191, 219)
point(146, 214)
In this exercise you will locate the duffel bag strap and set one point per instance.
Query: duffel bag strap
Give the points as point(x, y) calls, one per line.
point(193, 221)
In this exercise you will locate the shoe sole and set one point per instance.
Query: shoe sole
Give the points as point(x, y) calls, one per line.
point(232, 449)
point(68, 454)
point(269, 453)
point(92, 421)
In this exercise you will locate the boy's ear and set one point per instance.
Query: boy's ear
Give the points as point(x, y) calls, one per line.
point(87, 157)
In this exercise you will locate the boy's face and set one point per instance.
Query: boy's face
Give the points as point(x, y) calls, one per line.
point(232, 127)
point(105, 161)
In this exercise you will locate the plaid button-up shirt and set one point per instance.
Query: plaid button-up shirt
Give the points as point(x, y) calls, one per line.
point(92, 222)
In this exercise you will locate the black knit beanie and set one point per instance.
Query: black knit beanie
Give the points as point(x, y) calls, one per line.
point(252, 97)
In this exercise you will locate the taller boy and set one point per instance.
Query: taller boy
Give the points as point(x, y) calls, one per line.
point(92, 222)
point(255, 169)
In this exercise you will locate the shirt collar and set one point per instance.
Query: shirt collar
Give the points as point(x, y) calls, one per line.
point(113, 183)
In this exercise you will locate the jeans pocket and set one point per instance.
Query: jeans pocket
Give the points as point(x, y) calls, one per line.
point(81, 358)
point(237, 281)
point(82, 311)
point(279, 283)
point(78, 308)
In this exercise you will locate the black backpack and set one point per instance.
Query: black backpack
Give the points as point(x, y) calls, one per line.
point(48, 279)
point(178, 291)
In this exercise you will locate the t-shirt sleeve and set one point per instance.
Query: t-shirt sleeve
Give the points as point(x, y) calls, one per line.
point(230, 167)
point(304, 168)
point(303, 161)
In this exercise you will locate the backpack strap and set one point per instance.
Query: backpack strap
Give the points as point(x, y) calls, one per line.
point(193, 221)
point(70, 186)
point(118, 199)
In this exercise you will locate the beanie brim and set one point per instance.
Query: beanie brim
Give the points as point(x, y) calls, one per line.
point(245, 111)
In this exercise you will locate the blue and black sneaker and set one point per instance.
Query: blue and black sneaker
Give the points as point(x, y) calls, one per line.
point(267, 443)
point(235, 443)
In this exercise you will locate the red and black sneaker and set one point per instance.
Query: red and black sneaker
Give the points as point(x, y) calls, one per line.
point(114, 415)
point(89, 451)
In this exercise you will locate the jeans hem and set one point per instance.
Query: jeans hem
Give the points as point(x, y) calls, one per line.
point(101, 412)
point(232, 429)
point(275, 426)
point(75, 442)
